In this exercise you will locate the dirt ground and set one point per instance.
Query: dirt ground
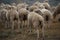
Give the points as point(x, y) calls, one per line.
point(51, 33)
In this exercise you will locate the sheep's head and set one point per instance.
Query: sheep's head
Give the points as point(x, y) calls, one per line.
point(8, 7)
point(23, 14)
point(14, 7)
point(47, 6)
point(36, 3)
point(38, 11)
point(41, 6)
point(22, 5)
point(32, 8)
point(57, 11)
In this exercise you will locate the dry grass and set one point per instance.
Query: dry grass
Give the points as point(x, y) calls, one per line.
point(51, 33)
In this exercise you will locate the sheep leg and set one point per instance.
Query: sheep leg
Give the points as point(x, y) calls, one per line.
point(37, 34)
point(21, 24)
point(25, 23)
point(37, 30)
point(42, 33)
point(29, 26)
point(49, 24)
point(18, 25)
point(12, 26)
point(6, 24)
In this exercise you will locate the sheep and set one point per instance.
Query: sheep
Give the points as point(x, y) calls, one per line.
point(53, 9)
point(32, 8)
point(56, 14)
point(12, 16)
point(57, 18)
point(57, 11)
point(47, 5)
point(48, 16)
point(22, 5)
point(3, 17)
point(43, 5)
point(23, 16)
point(36, 21)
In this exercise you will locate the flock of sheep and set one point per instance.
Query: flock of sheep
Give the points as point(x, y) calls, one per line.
point(35, 16)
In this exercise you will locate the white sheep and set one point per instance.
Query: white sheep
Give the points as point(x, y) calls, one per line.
point(3, 17)
point(36, 21)
point(48, 16)
point(56, 12)
point(47, 5)
point(23, 16)
point(12, 16)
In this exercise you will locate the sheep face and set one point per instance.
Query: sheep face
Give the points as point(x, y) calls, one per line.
point(47, 6)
